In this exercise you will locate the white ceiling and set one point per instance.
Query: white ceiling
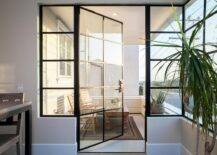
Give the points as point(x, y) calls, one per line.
point(112, 1)
point(133, 19)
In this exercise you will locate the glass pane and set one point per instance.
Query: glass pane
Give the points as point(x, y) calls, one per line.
point(189, 102)
point(193, 12)
point(164, 18)
point(58, 46)
point(166, 101)
point(210, 5)
point(211, 27)
point(112, 30)
point(198, 39)
point(158, 74)
point(91, 49)
point(58, 19)
point(159, 52)
point(58, 74)
point(91, 100)
point(214, 58)
point(58, 102)
point(113, 73)
point(113, 123)
point(91, 129)
point(91, 24)
point(91, 74)
point(113, 98)
point(211, 31)
point(113, 53)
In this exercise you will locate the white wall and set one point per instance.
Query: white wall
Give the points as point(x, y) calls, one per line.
point(164, 135)
point(131, 70)
point(18, 66)
point(189, 138)
point(132, 100)
point(173, 136)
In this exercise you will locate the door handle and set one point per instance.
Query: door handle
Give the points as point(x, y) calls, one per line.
point(121, 86)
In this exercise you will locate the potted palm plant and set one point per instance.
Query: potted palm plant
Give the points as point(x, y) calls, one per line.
point(157, 106)
point(198, 80)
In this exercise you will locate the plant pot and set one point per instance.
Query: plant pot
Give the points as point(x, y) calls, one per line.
point(157, 109)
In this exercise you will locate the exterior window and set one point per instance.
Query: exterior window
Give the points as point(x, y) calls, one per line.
point(165, 96)
point(65, 52)
point(195, 13)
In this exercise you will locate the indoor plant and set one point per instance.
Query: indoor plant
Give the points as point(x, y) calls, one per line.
point(157, 106)
point(198, 80)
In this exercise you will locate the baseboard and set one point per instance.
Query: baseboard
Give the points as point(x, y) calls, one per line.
point(54, 149)
point(164, 148)
point(47, 149)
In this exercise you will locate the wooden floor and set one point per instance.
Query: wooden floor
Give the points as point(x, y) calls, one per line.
point(125, 147)
point(140, 123)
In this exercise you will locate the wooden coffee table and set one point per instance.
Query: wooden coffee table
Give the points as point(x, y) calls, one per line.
point(109, 115)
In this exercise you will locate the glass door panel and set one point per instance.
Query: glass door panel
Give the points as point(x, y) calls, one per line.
point(112, 30)
point(113, 99)
point(91, 132)
point(91, 79)
point(91, 74)
point(113, 123)
point(91, 24)
point(113, 73)
point(101, 74)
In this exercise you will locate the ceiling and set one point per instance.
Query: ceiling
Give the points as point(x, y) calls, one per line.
point(133, 18)
point(113, 1)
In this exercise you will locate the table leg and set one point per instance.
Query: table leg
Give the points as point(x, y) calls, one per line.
point(28, 133)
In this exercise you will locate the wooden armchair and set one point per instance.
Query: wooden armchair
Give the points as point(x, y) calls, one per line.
point(8, 140)
point(88, 122)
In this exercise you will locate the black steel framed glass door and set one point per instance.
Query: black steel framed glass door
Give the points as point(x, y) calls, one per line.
point(100, 116)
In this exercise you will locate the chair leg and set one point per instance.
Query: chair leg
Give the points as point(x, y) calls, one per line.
point(18, 148)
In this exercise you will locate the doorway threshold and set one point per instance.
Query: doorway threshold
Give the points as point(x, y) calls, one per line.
point(118, 146)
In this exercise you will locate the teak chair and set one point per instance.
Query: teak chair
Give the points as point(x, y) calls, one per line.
point(88, 122)
point(9, 140)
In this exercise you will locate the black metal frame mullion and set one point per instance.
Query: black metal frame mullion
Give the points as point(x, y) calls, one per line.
point(58, 32)
point(174, 32)
point(122, 93)
point(76, 71)
point(147, 68)
point(58, 60)
point(41, 58)
point(103, 136)
point(183, 30)
point(204, 26)
point(164, 59)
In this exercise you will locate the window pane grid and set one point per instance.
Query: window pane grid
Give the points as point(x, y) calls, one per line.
point(165, 33)
point(57, 61)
